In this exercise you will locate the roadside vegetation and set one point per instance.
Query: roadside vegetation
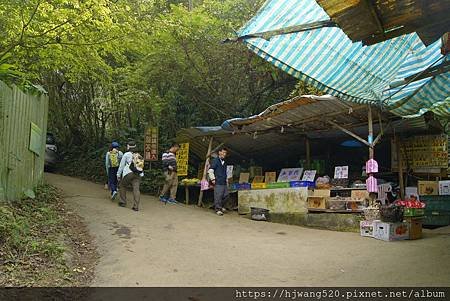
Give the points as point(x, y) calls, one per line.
point(42, 243)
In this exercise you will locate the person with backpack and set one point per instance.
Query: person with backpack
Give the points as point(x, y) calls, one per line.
point(112, 161)
point(130, 172)
point(169, 162)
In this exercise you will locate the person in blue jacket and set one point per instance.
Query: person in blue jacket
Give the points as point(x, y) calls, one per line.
point(112, 162)
point(218, 176)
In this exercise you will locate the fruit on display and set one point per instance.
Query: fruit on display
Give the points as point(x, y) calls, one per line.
point(190, 181)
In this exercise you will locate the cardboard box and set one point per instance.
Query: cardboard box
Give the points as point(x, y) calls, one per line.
point(244, 177)
point(270, 177)
point(367, 228)
point(317, 202)
point(320, 192)
point(258, 179)
point(428, 187)
point(444, 187)
point(359, 195)
point(391, 231)
point(415, 227)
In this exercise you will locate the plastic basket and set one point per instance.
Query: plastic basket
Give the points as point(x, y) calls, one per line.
point(259, 185)
point(371, 214)
point(414, 212)
point(279, 185)
point(241, 186)
point(301, 184)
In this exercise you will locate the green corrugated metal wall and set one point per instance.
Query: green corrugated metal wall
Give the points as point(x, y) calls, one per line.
point(20, 169)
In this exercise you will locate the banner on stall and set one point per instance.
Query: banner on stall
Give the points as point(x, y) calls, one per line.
point(151, 144)
point(183, 159)
point(422, 152)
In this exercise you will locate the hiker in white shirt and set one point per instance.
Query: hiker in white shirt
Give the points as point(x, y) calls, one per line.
point(130, 173)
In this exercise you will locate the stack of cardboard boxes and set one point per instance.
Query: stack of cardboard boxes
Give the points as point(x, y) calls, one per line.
point(433, 187)
point(409, 228)
point(385, 231)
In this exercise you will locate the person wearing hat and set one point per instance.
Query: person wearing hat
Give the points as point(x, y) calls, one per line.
point(130, 172)
point(112, 162)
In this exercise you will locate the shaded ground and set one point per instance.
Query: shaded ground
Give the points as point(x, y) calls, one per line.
point(177, 245)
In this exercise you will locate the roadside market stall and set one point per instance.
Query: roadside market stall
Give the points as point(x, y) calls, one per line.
point(279, 155)
point(397, 61)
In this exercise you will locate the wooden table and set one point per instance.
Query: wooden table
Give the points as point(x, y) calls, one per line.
point(186, 191)
point(334, 210)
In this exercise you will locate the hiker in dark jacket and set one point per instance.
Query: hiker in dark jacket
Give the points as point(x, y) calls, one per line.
point(169, 162)
point(218, 175)
point(112, 162)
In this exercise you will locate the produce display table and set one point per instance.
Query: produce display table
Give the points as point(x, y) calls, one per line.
point(278, 200)
point(337, 200)
point(186, 191)
point(188, 187)
point(335, 210)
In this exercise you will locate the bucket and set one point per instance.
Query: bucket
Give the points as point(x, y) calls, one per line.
point(259, 214)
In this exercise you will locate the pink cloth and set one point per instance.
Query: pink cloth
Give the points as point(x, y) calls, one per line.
point(371, 166)
point(204, 185)
point(371, 184)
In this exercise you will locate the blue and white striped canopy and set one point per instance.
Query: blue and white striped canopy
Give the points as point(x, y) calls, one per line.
point(327, 59)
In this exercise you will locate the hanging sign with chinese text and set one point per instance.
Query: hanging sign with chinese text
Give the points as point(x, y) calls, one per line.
point(151, 144)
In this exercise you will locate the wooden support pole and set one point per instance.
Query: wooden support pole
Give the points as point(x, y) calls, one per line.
point(400, 167)
point(370, 138)
point(205, 170)
point(186, 191)
point(308, 153)
point(214, 150)
point(348, 132)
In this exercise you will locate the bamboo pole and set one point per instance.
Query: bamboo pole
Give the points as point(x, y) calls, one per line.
point(308, 153)
point(370, 140)
point(205, 170)
point(348, 132)
point(400, 167)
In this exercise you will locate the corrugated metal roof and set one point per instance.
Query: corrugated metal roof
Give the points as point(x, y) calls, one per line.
point(307, 113)
point(379, 20)
point(285, 125)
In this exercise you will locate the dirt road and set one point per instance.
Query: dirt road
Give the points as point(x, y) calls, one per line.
point(178, 245)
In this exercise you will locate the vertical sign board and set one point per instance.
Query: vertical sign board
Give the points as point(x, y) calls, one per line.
point(35, 139)
point(182, 159)
point(151, 144)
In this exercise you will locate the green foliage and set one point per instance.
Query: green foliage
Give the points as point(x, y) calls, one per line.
point(8, 71)
point(30, 227)
point(111, 68)
point(301, 88)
